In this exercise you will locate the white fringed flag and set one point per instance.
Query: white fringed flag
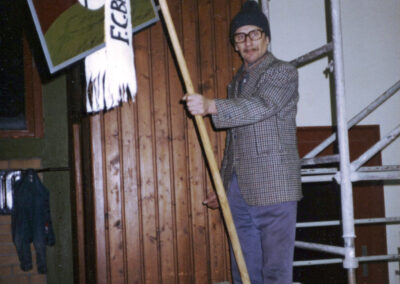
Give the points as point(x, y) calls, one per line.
point(110, 72)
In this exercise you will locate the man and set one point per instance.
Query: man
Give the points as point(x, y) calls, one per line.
point(261, 167)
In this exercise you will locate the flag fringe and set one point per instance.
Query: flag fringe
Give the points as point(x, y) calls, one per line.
point(110, 72)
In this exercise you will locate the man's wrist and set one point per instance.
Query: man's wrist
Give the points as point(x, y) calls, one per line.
point(211, 107)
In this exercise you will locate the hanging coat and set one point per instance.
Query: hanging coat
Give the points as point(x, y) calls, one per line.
point(30, 220)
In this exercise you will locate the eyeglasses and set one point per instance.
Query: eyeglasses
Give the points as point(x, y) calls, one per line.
point(253, 35)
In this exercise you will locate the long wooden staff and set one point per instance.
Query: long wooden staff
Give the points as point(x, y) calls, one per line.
point(226, 212)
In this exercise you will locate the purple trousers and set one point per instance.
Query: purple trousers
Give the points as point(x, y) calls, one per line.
point(267, 235)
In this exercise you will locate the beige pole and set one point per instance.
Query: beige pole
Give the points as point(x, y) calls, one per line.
point(226, 212)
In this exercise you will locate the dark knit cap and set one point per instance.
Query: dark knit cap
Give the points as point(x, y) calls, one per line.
point(250, 14)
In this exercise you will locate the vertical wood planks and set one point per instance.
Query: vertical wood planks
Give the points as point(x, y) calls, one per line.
point(207, 87)
point(179, 123)
point(149, 173)
point(98, 199)
point(132, 210)
point(79, 204)
point(146, 146)
point(189, 31)
point(163, 154)
point(114, 219)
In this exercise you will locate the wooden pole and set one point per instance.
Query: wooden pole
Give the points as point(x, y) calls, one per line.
point(226, 212)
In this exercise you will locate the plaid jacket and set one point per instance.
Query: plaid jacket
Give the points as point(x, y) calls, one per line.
point(261, 144)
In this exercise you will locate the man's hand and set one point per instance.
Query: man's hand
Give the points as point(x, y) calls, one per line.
point(199, 105)
point(212, 200)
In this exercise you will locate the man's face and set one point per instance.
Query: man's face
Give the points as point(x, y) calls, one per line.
point(251, 50)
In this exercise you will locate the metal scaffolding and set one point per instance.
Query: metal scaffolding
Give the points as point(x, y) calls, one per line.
point(347, 172)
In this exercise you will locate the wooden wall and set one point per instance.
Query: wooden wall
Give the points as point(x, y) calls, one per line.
point(149, 174)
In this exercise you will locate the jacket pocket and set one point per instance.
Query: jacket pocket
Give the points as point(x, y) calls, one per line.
point(267, 136)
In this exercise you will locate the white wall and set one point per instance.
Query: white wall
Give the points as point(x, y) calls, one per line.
point(371, 42)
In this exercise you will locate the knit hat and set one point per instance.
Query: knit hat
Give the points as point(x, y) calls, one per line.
point(250, 14)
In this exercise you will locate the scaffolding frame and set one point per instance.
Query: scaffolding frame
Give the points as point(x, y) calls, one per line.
point(347, 172)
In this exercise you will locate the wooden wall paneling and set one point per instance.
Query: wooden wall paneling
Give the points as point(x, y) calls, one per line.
point(163, 154)
point(114, 218)
point(198, 211)
point(98, 172)
point(149, 171)
point(209, 89)
point(132, 210)
point(223, 57)
point(310, 137)
point(146, 146)
point(181, 149)
point(196, 167)
point(219, 244)
point(79, 204)
point(88, 197)
point(188, 34)
point(223, 63)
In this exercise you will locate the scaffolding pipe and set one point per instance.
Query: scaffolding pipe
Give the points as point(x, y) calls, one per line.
point(318, 178)
point(355, 176)
point(385, 168)
point(377, 147)
point(312, 55)
point(328, 159)
point(265, 8)
point(2, 190)
point(388, 172)
point(320, 247)
point(317, 262)
point(387, 220)
point(371, 258)
point(357, 118)
point(392, 175)
point(319, 171)
point(350, 262)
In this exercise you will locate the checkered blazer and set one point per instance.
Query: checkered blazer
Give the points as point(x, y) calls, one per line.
point(261, 146)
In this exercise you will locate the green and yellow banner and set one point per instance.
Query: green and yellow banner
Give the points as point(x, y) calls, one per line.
point(75, 28)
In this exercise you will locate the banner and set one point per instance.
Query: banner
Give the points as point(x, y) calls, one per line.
point(75, 28)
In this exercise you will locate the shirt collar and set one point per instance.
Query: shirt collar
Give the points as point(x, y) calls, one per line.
point(262, 63)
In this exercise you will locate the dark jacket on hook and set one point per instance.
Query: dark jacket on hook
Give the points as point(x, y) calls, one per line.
point(31, 220)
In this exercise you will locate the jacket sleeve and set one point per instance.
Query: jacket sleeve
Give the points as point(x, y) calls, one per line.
point(276, 87)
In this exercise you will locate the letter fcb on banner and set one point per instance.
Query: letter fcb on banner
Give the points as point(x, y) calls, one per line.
point(110, 72)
